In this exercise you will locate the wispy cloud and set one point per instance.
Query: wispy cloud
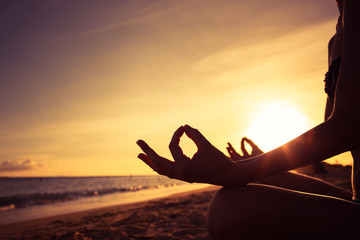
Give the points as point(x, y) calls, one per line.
point(16, 165)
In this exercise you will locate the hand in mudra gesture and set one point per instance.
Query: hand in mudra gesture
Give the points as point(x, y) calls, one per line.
point(208, 165)
point(235, 156)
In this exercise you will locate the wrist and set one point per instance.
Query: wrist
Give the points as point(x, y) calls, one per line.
point(235, 175)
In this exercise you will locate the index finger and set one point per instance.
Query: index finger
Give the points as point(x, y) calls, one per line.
point(197, 137)
point(252, 144)
point(174, 147)
point(243, 149)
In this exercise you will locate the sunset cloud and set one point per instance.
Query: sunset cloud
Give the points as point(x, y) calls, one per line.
point(14, 166)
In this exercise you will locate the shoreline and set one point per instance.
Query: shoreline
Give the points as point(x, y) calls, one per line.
point(75, 223)
point(34, 212)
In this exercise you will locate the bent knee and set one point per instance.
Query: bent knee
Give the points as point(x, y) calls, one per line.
point(233, 211)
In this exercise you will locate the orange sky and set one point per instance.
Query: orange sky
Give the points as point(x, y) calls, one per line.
point(80, 82)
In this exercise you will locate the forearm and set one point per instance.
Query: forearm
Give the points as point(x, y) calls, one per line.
point(326, 140)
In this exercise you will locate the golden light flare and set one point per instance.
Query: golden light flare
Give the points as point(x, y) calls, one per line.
point(277, 124)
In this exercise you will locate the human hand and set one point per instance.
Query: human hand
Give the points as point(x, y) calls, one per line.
point(208, 165)
point(235, 156)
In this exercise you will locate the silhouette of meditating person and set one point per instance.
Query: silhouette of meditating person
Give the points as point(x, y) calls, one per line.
point(260, 198)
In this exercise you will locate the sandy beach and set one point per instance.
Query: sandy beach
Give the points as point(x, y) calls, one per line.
point(181, 216)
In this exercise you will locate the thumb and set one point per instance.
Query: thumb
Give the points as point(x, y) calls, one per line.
point(253, 146)
point(196, 136)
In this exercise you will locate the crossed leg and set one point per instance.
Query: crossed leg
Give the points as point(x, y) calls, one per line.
point(257, 210)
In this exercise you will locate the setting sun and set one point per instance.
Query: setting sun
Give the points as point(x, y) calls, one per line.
point(275, 125)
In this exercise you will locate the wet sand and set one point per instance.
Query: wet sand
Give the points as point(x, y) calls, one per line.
point(181, 216)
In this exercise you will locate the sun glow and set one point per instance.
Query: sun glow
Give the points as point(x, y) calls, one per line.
point(275, 125)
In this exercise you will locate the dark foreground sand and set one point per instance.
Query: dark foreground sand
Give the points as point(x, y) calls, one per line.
point(181, 216)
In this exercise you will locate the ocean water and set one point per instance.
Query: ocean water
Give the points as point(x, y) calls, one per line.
point(31, 198)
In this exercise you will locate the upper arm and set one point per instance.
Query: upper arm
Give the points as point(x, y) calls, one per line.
point(347, 101)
